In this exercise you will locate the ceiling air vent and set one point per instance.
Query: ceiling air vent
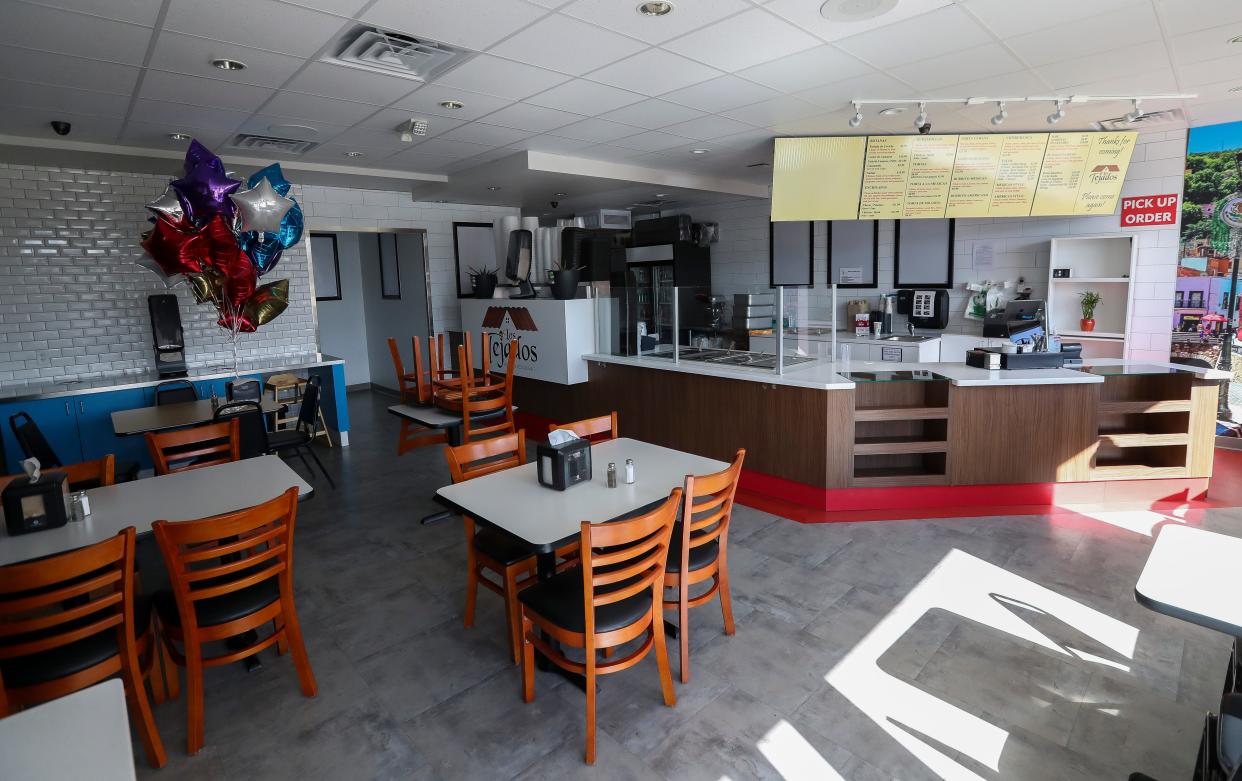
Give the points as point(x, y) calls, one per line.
point(289, 146)
point(1145, 121)
point(395, 54)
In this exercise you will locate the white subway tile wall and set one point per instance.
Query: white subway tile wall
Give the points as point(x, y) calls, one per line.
point(1022, 246)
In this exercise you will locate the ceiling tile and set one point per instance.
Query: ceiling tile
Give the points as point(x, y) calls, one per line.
point(785, 108)
point(654, 72)
point(193, 55)
point(839, 94)
point(142, 12)
point(285, 127)
point(502, 78)
point(385, 122)
point(1136, 23)
point(1158, 81)
point(491, 155)
point(155, 136)
point(268, 25)
point(387, 139)
point(742, 41)
point(1197, 47)
point(550, 3)
point(834, 122)
point(566, 45)
point(806, 69)
point(1006, 18)
point(33, 123)
point(427, 101)
point(52, 99)
point(413, 160)
point(174, 87)
point(749, 140)
point(652, 114)
point(613, 154)
point(957, 67)
point(313, 108)
point(159, 112)
point(472, 24)
point(337, 151)
point(76, 34)
point(486, 135)
point(584, 97)
point(536, 119)
point(338, 81)
point(57, 69)
point(806, 16)
point(1205, 15)
point(1020, 83)
point(708, 127)
point(339, 7)
point(596, 130)
point(1096, 67)
point(552, 144)
point(721, 94)
point(1213, 70)
point(445, 147)
point(934, 33)
point(651, 141)
point(622, 17)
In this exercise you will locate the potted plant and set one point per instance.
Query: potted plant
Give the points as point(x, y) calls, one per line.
point(483, 282)
point(1089, 301)
point(565, 281)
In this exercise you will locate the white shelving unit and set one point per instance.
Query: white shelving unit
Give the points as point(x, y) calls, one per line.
point(1104, 264)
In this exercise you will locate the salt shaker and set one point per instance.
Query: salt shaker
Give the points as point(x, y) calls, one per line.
point(629, 471)
point(76, 511)
point(612, 475)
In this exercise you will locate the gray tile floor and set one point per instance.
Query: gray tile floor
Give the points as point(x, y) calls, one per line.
point(983, 648)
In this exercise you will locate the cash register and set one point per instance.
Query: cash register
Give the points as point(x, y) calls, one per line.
point(1022, 324)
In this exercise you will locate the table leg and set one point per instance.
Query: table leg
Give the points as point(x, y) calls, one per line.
point(545, 568)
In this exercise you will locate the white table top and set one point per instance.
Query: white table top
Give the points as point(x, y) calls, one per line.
point(197, 493)
point(80, 735)
point(514, 500)
point(165, 416)
point(1191, 574)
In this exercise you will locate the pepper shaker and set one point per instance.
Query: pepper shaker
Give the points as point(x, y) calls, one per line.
point(612, 475)
point(629, 471)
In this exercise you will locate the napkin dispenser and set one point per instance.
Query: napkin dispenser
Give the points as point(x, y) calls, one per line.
point(36, 502)
point(565, 463)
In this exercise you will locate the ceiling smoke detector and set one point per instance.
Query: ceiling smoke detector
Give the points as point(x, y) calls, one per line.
point(394, 54)
point(655, 9)
point(855, 10)
point(411, 128)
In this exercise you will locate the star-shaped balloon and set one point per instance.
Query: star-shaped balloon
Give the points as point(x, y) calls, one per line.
point(168, 206)
point(199, 156)
point(267, 302)
point(205, 192)
point(273, 174)
point(175, 251)
point(260, 208)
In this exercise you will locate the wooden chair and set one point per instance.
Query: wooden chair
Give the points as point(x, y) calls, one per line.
point(487, 402)
point(614, 597)
point(191, 448)
point(446, 383)
point(83, 476)
point(230, 574)
point(698, 551)
point(72, 620)
point(413, 436)
point(599, 429)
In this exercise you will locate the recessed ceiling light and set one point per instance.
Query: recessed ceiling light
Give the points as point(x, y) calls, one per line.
point(225, 64)
point(493, 188)
point(892, 111)
point(559, 195)
point(1236, 89)
point(661, 195)
point(655, 9)
point(179, 136)
point(1236, 39)
point(355, 154)
point(699, 151)
point(452, 104)
point(855, 10)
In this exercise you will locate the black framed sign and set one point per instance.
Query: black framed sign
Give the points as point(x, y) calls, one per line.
point(474, 246)
point(791, 254)
point(390, 266)
point(853, 253)
point(325, 267)
point(923, 254)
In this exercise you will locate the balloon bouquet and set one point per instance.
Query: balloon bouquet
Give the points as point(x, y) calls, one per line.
point(223, 238)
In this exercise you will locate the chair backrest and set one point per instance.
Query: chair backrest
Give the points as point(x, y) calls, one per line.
point(251, 427)
point(309, 411)
point(422, 380)
point(399, 368)
point(215, 556)
point(63, 599)
point(191, 448)
point(709, 507)
point(600, 429)
point(175, 392)
point(487, 406)
point(91, 474)
point(622, 558)
point(32, 441)
point(243, 390)
point(475, 459)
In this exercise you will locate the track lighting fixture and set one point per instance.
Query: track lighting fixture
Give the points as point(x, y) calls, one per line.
point(921, 119)
point(1061, 102)
point(1057, 115)
point(1134, 115)
point(856, 120)
point(1001, 113)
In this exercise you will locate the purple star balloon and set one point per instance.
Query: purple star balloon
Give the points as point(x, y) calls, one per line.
point(205, 188)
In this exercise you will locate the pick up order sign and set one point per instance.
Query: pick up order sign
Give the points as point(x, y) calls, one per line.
point(1147, 210)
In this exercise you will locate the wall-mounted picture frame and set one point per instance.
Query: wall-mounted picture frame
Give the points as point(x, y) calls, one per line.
point(923, 254)
point(791, 254)
point(326, 267)
point(853, 253)
point(474, 246)
point(390, 266)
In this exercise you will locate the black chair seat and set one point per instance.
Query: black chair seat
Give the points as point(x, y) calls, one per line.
point(700, 557)
point(72, 658)
point(221, 609)
point(279, 440)
point(559, 600)
point(501, 546)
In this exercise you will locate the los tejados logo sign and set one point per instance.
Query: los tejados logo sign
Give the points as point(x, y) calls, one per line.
point(508, 323)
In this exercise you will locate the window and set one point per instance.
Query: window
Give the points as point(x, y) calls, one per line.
point(923, 257)
point(1196, 299)
point(1224, 300)
point(326, 268)
point(390, 267)
point(1179, 299)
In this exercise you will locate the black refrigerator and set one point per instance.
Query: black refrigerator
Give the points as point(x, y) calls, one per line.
point(651, 276)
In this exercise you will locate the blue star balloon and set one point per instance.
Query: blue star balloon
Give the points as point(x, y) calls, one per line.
point(291, 227)
point(273, 174)
point(264, 250)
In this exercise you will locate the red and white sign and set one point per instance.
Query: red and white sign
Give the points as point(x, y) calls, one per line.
point(1145, 210)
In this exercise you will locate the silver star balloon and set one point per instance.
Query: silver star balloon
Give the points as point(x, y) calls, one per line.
point(261, 208)
point(168, 206)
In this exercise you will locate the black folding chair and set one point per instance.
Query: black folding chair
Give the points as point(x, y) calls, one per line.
point(298, 439)
point(243, 390)
point(252, 431)
point(34, 445)
point(175, 392)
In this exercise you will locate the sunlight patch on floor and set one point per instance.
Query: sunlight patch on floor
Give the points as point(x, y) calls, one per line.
point(1142, 522)
point(793, 757)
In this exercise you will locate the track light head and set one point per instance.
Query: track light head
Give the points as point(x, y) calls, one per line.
point(857, 119)
point(1001, 113)
point(1134, 115)
point(1057, 115)
point(921, 119)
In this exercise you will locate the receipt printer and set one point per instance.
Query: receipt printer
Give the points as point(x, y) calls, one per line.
point(564, 464)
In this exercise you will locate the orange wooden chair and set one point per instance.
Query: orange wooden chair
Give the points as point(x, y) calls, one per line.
point(699, 550)
point(193, 448)
point(487, 401)
point(600, 429)
point(230, 574)
point(612, 598)
point(415, 388)
point(72, 620)
point(446, 390)
point(82, 476)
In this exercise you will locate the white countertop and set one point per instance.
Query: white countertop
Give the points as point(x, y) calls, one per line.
point(827, 375)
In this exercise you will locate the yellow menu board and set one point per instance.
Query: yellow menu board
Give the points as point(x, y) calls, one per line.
point(983, 175)
point(816, 178)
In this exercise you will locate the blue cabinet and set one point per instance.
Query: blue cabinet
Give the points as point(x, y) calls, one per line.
point(57, 419)
point(95, 432)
